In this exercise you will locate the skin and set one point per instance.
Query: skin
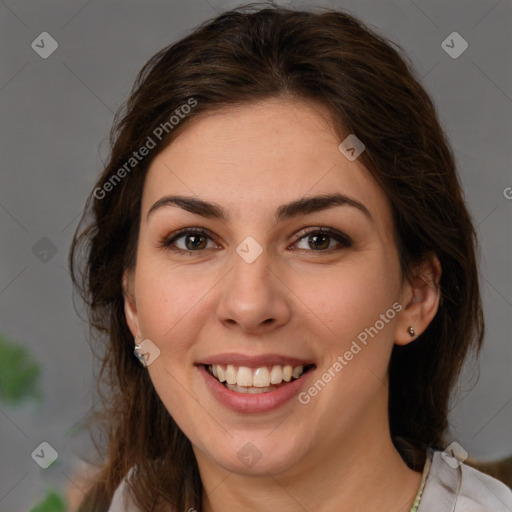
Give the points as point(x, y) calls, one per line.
point(334, 453)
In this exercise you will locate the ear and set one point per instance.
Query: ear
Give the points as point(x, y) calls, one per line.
point(421, 298)
point(130, 308)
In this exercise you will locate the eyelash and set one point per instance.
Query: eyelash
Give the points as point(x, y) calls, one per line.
point(167, 242)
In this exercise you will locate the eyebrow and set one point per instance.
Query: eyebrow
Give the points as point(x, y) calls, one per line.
point(286, 211)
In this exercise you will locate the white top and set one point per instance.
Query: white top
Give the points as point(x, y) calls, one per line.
point(451, 486)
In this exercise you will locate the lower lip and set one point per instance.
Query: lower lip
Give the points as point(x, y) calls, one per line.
point(253, 403)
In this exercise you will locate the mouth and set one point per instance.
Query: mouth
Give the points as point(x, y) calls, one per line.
point(263, 379)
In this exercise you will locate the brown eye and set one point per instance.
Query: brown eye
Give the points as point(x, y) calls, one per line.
point(319, 239)
point(195, 241)
point(187, 240)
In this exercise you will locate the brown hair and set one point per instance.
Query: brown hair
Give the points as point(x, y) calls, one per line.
point(246, 55)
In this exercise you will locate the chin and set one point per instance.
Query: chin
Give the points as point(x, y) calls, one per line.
point(257, 455)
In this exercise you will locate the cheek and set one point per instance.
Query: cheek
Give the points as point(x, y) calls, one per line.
point(347, 299)
point(166, 301)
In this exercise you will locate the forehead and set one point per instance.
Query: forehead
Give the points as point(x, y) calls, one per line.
point(253, 158)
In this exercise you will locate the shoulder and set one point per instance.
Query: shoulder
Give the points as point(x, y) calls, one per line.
point(452, 486)
point(121, 500)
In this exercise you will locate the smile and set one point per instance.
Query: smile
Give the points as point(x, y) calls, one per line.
point(264, 379)
point(252, 385)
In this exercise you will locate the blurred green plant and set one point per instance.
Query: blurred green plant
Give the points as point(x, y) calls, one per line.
point(52, 502)
point(19, 379)
point(19, 373)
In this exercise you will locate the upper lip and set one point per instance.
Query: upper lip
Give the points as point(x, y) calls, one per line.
point(237, 359)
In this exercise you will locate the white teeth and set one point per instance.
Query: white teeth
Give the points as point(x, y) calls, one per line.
point(249, 391)
point(297, 372)
point(231, 374)
point(261, 377)
point(244, 377)
point(255, 391)
point(221, 374)
point(238, 389)
point(254, 380)
point(276, 375)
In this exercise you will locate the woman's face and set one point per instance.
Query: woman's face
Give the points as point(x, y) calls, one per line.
point(261, 290)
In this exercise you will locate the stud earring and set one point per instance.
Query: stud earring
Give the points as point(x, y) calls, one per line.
point(138, 352)
point(411, 331)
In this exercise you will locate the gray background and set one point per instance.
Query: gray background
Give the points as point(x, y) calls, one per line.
point(55, 115)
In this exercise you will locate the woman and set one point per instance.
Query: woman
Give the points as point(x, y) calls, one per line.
point(280, 238)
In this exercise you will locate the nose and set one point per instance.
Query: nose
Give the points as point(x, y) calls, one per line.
point(253, 298)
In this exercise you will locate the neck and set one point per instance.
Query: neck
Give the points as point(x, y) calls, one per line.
point(362, 472)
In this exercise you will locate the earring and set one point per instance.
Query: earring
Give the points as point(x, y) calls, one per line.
point(411, 331)
point(138, 352)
